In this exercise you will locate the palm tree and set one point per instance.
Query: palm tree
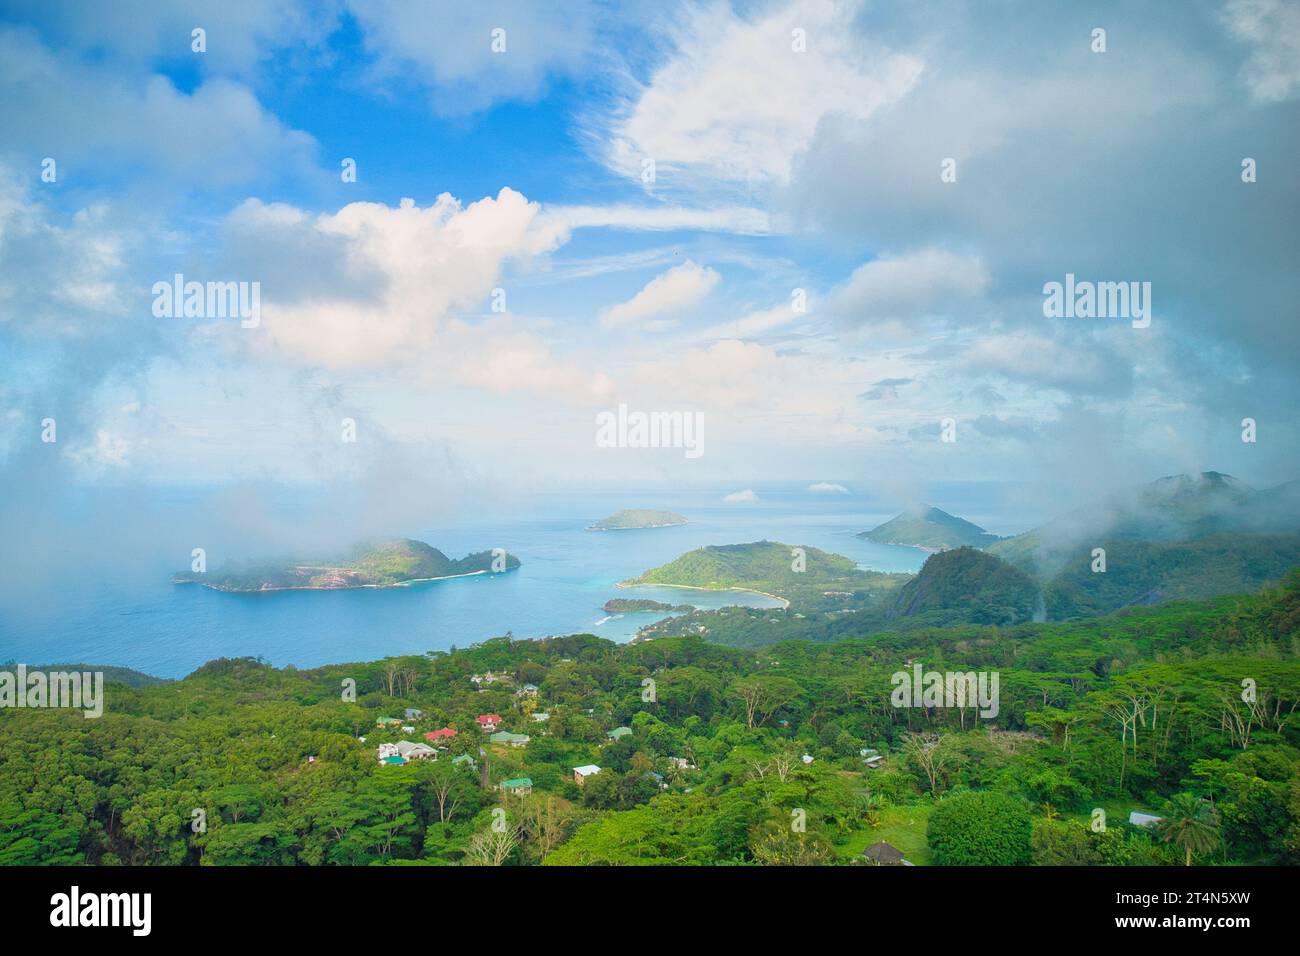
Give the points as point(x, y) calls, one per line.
point(1191, 823)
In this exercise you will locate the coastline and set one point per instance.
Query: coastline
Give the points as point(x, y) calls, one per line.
point(785, 603)
point(347, 587)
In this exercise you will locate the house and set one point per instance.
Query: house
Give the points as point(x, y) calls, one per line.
point(462, 759)
point(408, 728)
point(442, 733)
point(807, 759)
point(541, 715)
point(871, 757)
point(393, 760)
point(618, 733)
point(520, 785)
point(387, 722)
point(883, 854)
point(414, 713)
point(580, 774)
point(413, 751)
point(528, 690)
point(391, 755)
point(680, 763)
point(490, 678)
point(488, 722)
point(506, 737)
point(1136, 819)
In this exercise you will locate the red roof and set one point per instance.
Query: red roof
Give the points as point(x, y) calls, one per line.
point(444, 733)
point(489, 718)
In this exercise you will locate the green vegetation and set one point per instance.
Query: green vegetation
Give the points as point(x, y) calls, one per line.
point(389, 564)
point(930, 528)
point(966, 586)
point(637, 518)
point(632, 605)
point(1130, 710)
point(808, 578)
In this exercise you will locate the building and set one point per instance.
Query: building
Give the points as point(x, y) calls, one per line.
point(440, 735)
point(528, 690)
point(540, 716)
point(883, 854)
point(618, 733)
point(580, 774)
point(414, 713)
point(387, 722)
point(680, 763)
point(519, 785)
point(463, 759)
point(506, 737)
point(1136, 819)
point(412, 751)
point(488, 722)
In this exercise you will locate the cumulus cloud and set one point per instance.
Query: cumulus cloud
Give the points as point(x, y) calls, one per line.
point(740, 497)
point(677, 290)
point(734, 101)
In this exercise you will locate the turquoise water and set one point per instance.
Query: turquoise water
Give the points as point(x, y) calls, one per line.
point(140, 620)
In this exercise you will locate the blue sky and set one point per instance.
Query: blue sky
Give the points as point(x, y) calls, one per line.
point(780, 173)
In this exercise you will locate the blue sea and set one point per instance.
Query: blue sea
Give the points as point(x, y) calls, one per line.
point(144, 622)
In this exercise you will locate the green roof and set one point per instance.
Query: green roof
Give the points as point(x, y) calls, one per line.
point(517, 783)
point(463, 758)
point(505, 737)
point(619, 732)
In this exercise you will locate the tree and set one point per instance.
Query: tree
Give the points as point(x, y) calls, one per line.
point(980, 828)
point(492, 847)
point(1191, 824)
point(763, 696)
point(931, 753)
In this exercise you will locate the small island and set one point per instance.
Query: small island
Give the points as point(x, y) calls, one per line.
point(930, 529)
point(389, 564)
point(638, 518)
point(632, 605)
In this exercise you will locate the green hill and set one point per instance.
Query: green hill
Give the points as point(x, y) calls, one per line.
point(389, 564)
point(638, 518)
point(827, 580)
point(928, 527)
point(967, 586)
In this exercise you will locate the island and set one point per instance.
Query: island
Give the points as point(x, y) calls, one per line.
point(395, 563)
point(801, 575)
point(632, 605)
point(930, 529)
point(635, 518)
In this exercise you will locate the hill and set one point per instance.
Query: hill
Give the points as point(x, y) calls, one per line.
point(824, 580)
point(931, 528)
point(967, 586)
point(389, 564)
point(638, 518)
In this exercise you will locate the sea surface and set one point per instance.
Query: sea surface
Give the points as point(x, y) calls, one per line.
point(567, 574)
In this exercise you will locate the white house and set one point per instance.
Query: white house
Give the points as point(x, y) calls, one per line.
point(412, 751)
point(580, 774)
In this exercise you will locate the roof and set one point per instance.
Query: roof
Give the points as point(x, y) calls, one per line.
point(883, 853)
point(587, 769)
point(387, 720)
point(517, 783)
point(619, 732)
point(1142, 819)
point(505, 737)
point(440, 734)
point(463, 758)
point(406, 748)
point(488, 718)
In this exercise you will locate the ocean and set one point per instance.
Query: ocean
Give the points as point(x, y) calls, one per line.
point(567, 574)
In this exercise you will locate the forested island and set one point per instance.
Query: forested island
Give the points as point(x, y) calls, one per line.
point(389, 564)
point(931, 529)
point(635, 518)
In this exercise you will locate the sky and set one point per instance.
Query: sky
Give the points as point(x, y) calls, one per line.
point(823, 227)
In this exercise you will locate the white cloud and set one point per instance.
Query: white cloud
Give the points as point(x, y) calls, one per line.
point(741, 496)
point(912, 286)
point(828, 487)
point(448, 49)
point(1272, 30)
point(740, 220)
point(680, 288)
point(735, 103)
